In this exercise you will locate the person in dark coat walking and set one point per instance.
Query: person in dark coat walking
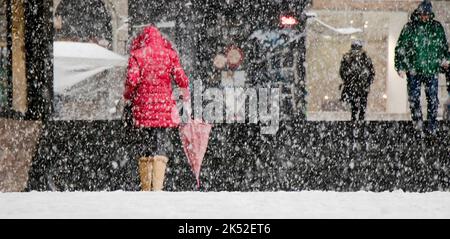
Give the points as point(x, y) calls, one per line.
point(153, 65)
point(421, 51)
point(357, 73)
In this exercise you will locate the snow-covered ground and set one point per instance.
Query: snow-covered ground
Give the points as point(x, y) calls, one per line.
point(192, 205)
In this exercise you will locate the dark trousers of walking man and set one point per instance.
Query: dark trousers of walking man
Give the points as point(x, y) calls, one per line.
point(431, 84)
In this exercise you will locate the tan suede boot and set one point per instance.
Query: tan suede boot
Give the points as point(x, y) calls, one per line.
point(159, 171)
point(145, 173)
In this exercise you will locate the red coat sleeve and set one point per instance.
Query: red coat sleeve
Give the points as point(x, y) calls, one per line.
point(133, 78)
point(180, 76)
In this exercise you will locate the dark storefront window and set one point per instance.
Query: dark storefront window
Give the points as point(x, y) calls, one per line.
point(223, 44)
point(84, 21)
point(240, 45)
point(268, 38)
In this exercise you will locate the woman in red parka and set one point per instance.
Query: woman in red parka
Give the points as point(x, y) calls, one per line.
point(153, 64)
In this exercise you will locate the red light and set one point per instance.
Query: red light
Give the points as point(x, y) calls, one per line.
point(288, 20)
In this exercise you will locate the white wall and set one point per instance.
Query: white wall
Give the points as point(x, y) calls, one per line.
point(397, 101)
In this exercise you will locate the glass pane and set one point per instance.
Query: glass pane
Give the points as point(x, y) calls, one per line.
point(230, 43)
point(329, 37)
point(89, 63)
point(326, 48)
point(236, 45)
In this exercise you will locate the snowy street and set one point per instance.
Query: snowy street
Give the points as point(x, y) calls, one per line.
point(191, 205)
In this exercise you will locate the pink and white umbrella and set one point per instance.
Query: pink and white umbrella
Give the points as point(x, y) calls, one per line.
point(195, 137)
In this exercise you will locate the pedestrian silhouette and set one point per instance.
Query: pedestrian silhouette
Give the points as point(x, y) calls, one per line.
point(357, 73)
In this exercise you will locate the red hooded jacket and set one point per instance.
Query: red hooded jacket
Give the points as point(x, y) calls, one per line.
point(152, 65)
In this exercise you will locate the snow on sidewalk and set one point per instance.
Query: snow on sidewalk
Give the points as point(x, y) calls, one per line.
point(192, 205)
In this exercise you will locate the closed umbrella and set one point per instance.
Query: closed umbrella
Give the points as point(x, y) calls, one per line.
point(195, 137)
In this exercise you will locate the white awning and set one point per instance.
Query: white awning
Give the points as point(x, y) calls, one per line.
point(75, 62)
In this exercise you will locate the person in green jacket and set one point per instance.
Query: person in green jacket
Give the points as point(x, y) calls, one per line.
point(421, 51)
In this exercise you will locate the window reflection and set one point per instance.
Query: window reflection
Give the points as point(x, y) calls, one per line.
point(89, 58)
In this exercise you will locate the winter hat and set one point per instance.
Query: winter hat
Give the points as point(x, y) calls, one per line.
point(357, 44)
point(425, 7)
